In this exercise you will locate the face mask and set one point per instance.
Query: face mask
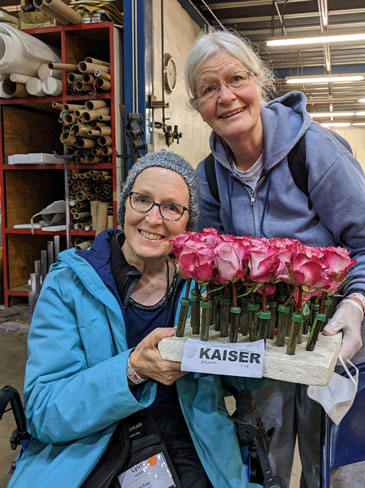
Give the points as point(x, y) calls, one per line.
point(337, 397)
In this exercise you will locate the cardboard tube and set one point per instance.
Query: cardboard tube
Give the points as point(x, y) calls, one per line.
point(102, 74)
point(101, 84)
point(95, 104)
point(14, 89)
point(104, 118)
point(44, 72)
point(71, 107)
point(57, 105)
point(79, 112)
point(63, 10)
point(106, 151)
point(90, 115)
point(91, 67)
point(81, 86)
point(52, 86)
point(96, 61)
point(84, 143)
point(83, 244)
point(81, 215)
point(88, 78)
point(103, 131)
point(110, 222)
point(73, 77)
point(93, 159)
point(34, 87)
point(93, 133)
point(65, 66)
point(69, 119)
point(53, 15)
point(18, 78)
point(104, 141)
point(101, 218)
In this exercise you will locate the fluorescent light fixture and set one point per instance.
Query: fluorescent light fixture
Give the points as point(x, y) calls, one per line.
point(336, 124)
point(331, 114)
point(292, 41)
point(323, 79)
point(361, 100)
point(360, 113)
point(358, 123)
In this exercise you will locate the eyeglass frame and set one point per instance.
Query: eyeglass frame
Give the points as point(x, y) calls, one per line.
point(155, 204)
point(219, 84)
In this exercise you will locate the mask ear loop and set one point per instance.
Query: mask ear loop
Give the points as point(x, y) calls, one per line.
point(352, 378)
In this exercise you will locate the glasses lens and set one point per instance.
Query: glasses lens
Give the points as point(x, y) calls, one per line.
point(141, 203)
point(171, 210)
point(237, 80)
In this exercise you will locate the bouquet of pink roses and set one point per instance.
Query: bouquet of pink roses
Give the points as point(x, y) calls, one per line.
point(258, 286)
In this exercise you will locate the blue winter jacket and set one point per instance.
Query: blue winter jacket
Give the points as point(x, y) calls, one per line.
point(76, 386)
point(277, 207)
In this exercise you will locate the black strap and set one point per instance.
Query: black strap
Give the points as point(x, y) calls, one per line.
point(210, 174)
point(296, 162)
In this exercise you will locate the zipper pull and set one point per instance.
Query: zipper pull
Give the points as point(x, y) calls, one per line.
point(252, 201)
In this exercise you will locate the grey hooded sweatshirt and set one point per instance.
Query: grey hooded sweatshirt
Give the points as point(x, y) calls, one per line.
point(277, 207)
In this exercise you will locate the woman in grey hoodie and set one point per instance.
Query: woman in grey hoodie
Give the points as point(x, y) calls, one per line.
point(256, 194)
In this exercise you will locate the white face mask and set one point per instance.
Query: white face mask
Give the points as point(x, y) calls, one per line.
point(337, 397)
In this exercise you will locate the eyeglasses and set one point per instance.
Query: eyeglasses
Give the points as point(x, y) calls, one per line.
point(168, 210)
point(210, 91)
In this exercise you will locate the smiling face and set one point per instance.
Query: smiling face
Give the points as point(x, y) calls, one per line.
point(147, 235)
point(234, 113)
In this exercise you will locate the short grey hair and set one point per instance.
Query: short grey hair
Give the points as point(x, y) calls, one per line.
point(215, 41)
point(168, 160)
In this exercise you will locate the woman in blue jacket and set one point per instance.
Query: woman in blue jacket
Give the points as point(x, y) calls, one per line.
point(103, 408)
point(257, 195)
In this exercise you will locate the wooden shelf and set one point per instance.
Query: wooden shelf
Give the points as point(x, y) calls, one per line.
point(30, 125)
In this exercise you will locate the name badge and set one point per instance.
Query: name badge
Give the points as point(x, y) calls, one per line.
point(233, 359)
point(151, 473)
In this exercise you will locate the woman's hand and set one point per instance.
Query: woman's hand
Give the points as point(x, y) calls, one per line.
point(348, 318)
point(147, 362)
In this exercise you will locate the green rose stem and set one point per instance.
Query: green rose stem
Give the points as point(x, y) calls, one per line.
point(184, 309)
point(271, 331)
point(207, 307)
point(253, 319)
point(225, 304)
point(296, 323)
point(235, 313)
point(244, 316)
point(317, 324)
point(283, 324)
point(217, 311)
point(195, 310)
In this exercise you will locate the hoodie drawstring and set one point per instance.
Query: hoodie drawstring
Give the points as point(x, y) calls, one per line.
point(265, 205)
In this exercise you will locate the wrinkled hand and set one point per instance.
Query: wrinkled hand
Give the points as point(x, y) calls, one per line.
point(347, 318)
point(147, 362)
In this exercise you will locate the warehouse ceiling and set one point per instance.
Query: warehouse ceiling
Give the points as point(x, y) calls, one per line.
point(260, 20)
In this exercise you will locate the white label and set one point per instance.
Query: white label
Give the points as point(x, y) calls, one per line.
point(233, 359)
point(151, 473)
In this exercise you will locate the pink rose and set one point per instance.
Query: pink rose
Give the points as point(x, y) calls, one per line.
point(229, 256)
point(196, 261)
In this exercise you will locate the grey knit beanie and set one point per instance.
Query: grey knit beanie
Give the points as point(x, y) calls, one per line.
point(169, 160)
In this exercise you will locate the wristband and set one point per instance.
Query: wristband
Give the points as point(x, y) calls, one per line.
point(358, 296)
point(132, 375)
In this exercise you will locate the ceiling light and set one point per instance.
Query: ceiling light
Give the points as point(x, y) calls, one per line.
point(360, 113)
point(336, 124)
point(323, 79)
point(292, 41)
point(361, 100)
point(331, 114)
point(358, 123)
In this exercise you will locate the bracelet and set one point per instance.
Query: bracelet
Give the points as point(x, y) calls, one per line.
point(359, 297)
point(355, 304)
point(132, 375)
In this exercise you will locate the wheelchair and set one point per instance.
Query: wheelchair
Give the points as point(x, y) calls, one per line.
point(253, 439)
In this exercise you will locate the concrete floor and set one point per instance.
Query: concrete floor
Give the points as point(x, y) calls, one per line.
point(14, 325)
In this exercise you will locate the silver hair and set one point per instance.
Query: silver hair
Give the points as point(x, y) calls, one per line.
point(215, 41)
point(168, 160)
